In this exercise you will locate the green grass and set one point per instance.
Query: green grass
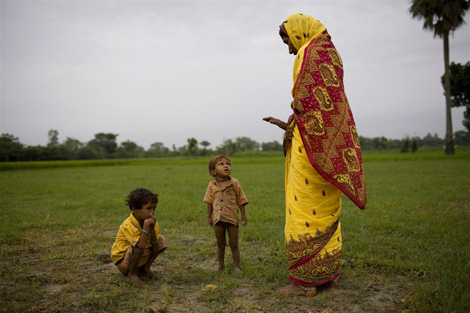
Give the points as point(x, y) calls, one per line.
point(59, 220)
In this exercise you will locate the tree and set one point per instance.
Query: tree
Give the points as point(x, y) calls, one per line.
point(71, 147)
point(192, 146)
point(462, 138)
point(406, 145)
point(128, 149)
point(460, 89)
point(432, 141)
point(246, 144)
point(35, 153)
point(205, 144)
point(442, 17)
point(53, 150)
point(103, 146)
point(414, 144)
point(158, 149)
point(271, 146)
point(10, 147)
point(228, 147)
point(53, 138)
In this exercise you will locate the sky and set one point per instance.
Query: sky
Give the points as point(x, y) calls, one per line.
point(166, 71)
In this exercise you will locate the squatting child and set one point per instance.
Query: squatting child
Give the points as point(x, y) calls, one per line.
point(224, 196)
point(138, 242)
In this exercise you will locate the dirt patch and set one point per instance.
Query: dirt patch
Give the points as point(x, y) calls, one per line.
point(42, 278)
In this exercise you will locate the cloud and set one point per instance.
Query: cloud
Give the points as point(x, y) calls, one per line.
point(168, 70)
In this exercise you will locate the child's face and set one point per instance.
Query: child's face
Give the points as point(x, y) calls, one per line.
point(223, 168)
point(148, 210)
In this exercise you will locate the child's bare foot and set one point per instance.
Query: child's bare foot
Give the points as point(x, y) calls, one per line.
point(136, 281)
point(221, 266)
point(297, 290)
point(238, 270)
point(144, 273)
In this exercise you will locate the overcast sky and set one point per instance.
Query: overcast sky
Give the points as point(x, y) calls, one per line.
point(165, 71)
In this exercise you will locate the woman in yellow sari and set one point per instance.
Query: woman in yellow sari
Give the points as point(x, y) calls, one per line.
point(323, 157)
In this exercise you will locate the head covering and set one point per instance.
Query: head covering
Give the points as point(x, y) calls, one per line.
point(321, 108)
point(301, 29)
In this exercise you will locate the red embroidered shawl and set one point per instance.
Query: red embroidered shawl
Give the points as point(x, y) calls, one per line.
point(325, 120)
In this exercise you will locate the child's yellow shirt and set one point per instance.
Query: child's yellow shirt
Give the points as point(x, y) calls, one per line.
point(129, 234)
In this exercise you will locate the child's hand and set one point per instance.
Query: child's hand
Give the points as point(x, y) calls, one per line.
point(150, 222)
point(244, 221)
point(210, 221)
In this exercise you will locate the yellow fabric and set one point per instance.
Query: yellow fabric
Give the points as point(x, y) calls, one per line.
point(129, 234)
point(301, 29)
point(312, 203)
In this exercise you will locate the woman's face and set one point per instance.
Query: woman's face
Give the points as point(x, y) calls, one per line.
point(286, 40)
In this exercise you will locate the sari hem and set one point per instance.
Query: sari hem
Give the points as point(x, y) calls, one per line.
point(311, 256)
point(306, 284)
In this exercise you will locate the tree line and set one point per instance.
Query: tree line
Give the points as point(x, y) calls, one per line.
point(105, 146)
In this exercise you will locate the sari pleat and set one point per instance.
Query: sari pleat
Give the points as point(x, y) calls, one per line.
point(312, 230)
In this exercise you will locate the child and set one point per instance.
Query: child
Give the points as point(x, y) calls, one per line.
point(224, 196)
point(138, 242)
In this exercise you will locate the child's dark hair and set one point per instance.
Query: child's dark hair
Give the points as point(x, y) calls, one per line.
point(140, 197)
point(217, 158)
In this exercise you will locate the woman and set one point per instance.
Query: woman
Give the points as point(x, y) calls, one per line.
point(323, 157)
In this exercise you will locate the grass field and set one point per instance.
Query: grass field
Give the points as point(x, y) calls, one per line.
point(408, 251)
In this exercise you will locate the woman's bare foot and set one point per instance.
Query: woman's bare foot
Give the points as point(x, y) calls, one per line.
point(297, 290)
point(333, 284)
point(220, 268)
point(238, 270)
point(136, 281)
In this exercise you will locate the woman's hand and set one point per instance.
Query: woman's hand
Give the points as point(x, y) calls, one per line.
point(275, 121)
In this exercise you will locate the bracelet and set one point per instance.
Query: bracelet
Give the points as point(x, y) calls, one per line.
point(154, 242)
point(145, 232)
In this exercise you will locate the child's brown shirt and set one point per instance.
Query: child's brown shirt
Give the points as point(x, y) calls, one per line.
point(225, 203)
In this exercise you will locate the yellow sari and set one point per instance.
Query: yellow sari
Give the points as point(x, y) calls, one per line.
point(323, 157)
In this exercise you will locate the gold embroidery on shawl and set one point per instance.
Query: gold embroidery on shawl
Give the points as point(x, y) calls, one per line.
point(335, 58)
point(324, 40)
point(296, 105)
point(350, 159)
point(329, 76)
point(355, 136)
point(323, 98)
point(307, 78)
point(345, 181)
point(327, 136)
point(314, 123)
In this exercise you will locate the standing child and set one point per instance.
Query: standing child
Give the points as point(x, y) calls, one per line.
point(138, 242)
point(224, 196)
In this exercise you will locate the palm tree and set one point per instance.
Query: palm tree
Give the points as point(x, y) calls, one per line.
point(442, 16)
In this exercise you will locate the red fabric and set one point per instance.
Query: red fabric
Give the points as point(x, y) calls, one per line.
point(325, 120)
point(300, 282)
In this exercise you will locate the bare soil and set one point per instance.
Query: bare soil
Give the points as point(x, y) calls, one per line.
point(37, 278)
